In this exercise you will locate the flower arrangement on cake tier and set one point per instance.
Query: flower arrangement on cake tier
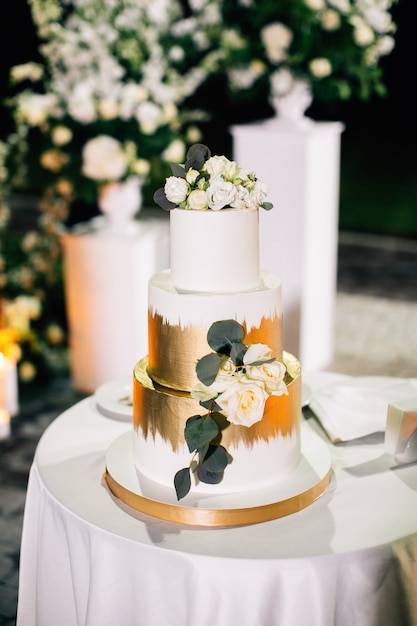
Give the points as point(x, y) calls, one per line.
point(322, 49)
point(103, 114)
point(211, 182)
point(235, 382)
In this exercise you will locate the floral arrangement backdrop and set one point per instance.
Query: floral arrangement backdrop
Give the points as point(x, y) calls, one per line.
point(124, 86)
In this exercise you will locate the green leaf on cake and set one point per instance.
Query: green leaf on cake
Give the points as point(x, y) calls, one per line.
point(207, 368)
point(267, 206)
point(182, 482)
point(237, 353)
point(216, 459)
point(199, 431)
point(178, 170)
point(197, 155)
point(222, 335)
point(161, 200)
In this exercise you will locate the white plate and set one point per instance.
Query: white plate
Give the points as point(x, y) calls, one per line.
point(114, 399)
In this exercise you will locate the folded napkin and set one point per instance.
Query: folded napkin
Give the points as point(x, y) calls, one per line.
point(354, 406)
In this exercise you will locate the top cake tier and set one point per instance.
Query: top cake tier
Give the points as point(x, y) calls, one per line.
point(214, 251)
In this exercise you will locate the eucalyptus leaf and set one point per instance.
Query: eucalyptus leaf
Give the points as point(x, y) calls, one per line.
point(207, 368)
point(220, 419)
point(210, 478)
point(261, 362)
point(210, 405)
point(222, 334)
point(199, 431)
point(182, 482)
point(267, 206)
point(197, 155)
point(216, 459)
point(162, 201)
point(237, 353)
point(178, 170)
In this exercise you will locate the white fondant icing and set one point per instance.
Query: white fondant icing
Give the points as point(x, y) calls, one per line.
point(257, 466)
point(214, 251)
point(201, 310)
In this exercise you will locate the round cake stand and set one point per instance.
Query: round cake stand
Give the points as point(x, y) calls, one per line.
point(305, 484)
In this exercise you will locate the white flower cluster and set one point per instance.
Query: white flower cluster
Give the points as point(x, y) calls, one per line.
point(241, 392)
point(107, 64)
point(218, 184)
point(362, 27)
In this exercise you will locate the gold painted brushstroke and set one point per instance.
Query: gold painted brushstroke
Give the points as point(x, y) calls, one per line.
point(165, 411)
point(175, 350)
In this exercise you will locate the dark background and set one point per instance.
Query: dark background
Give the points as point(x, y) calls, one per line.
point(378, 178)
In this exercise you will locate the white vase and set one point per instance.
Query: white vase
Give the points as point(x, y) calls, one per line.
point(120, 202)
point(290, 109)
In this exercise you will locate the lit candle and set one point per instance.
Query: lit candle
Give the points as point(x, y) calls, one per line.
point(4, 424)
point(4, 413)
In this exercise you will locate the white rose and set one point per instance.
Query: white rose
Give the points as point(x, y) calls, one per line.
point(316, 5)
point(242, 198)
point(257, 352)
point(174, 152)
point(258, 194)
point(225, 376)
point(103, 159)
point(192, 175)
point(81, 105)
point(320, 67)
point(176, 189)
point(363, 35)
point(216, 166)
point(271, 375)
point(141, 167)
point(149, 116)
point(281, 82)
point(330, 20)
point(36, 108)
point(108, 109)
point(220, 194)
point(243, 402)
point(277, 39)
point(197, 200)
point(61, 135)
point(120, 199)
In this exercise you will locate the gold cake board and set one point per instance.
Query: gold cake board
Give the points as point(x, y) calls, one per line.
point(306, 483)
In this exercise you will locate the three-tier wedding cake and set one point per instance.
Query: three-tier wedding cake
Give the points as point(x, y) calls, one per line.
point(217, 401)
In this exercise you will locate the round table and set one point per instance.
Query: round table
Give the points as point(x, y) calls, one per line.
point(86, 558)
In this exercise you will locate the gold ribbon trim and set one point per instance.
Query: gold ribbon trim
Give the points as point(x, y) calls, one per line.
point(217, 517)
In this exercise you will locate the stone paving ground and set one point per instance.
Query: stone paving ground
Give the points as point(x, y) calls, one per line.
point(376, 334)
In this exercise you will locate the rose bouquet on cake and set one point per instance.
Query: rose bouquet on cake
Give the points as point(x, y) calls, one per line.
point(235, 381)
point(211, 182)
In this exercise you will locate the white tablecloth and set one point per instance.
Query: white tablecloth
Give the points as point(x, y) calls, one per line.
point(86, 559)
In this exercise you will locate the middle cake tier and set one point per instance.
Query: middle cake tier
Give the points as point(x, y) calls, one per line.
point(178, 325)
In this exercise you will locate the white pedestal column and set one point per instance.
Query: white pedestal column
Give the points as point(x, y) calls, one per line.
point(106, 287)
point(298, 237)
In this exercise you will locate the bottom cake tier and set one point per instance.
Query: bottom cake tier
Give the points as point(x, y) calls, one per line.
point(263, 454)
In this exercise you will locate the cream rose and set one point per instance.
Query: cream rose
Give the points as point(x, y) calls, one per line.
point(258, 194)
point(197, 200)
point(61, 135)
point(218, 166)
point(176, 189)
point(320, 67)
point(220, 194)
point(242, 198)
point(257, 352)
point(103, 159)
point(271, 375)
point(277, 39)
point(243, 402)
